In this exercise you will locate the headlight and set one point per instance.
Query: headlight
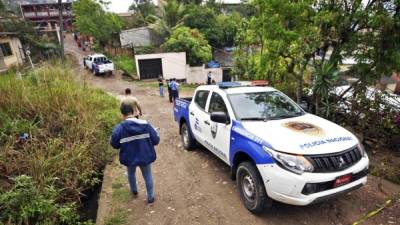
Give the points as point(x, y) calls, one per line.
point(362, 149)
point(294, 163)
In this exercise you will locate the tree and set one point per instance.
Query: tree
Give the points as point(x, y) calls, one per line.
point(205, 20)
point(92, 20)
point(188, 2)
point(171, 16)
point(191, 41)
point(143, 9)
point(228, 26)
point(285, 38)
point(290, 35)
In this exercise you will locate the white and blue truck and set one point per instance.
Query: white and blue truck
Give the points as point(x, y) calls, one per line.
point(275, 149)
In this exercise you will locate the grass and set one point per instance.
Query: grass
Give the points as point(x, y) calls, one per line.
point(117, 218)
point(68, 126)
point(126, 64)
point(154, 84)
point(119, 192)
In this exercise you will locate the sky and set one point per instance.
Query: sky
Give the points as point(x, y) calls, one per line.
point(119, 6)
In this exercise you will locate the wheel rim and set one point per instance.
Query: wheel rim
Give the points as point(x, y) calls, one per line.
point(185, 136)
point(248, 187)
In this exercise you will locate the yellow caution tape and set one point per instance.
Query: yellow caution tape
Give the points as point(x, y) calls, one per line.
point(373, 213)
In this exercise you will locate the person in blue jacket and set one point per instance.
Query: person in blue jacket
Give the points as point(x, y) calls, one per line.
point(174, 89)
point(136, 140)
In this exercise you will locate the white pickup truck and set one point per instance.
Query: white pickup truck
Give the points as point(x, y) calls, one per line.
point(275, 149)
point(98, 64)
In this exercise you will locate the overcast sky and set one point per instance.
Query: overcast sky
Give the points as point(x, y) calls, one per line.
point(123, 5)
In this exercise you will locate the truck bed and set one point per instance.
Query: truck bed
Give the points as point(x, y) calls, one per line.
point(181, 109)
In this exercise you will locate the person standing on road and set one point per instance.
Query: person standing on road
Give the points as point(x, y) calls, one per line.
point(136, 140)
point(169, 90)
point(174, 89)
point(161, 86)
point(209, 77)
point(129, 99)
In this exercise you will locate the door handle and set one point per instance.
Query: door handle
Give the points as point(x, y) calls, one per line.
point(192, 113)
point(207, 122)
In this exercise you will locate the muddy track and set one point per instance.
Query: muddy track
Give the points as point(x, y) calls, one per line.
point(195, 187)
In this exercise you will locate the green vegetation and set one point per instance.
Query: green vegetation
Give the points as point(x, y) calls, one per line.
point(92, 20)
point(126, 64)
point(191, 41)
point(119, 192)
point(68, 127)
point(304, 43)
point(154, 85)
point(116, 218)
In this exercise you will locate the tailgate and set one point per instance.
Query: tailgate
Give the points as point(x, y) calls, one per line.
point(107, 67)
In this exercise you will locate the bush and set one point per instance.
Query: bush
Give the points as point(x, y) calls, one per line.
point(126, 64)
point(191, 41)
point(68, 127)
point(25, 203)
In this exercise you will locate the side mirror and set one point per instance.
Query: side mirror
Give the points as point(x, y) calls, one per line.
point(220, 117)
point(304, 105)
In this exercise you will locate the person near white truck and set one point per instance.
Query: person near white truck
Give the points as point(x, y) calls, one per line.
point(276, 150)
point(98, 64)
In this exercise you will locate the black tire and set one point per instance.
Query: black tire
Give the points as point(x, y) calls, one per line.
point(251, 188)
point(187, 139)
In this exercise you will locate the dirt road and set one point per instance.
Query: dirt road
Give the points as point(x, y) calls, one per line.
point(195, 187)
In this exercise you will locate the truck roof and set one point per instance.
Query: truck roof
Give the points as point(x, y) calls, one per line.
point(237, 90)
point(97, 55)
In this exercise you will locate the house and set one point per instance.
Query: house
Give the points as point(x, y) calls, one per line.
point(11, 52)
point(168, 65)
point(45, 15)
point(225, 58)
point(173, 65)
point(139, 37)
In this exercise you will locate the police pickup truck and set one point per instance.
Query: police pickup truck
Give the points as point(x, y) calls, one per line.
point(98, 64)
point(276, 150)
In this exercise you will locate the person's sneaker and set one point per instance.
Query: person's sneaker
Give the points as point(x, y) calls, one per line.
point(135, 194)
point(150, 201)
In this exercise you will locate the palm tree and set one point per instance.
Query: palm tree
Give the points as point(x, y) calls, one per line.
point(171, 15)
point(325, 76)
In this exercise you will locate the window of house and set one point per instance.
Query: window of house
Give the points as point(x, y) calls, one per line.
point(6, 49)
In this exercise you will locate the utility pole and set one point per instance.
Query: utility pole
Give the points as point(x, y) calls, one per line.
point(61, 23)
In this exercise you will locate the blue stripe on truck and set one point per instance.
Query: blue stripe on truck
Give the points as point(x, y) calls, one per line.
point(246, 142)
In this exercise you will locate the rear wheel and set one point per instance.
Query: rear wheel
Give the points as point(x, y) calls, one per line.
point(251, 188)
point(187, 140)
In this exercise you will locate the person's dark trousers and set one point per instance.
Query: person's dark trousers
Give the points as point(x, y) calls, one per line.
point(170, 95)
point(174, 95)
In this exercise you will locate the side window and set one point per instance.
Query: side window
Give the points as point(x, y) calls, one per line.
point(217, 104)
point(201, 99)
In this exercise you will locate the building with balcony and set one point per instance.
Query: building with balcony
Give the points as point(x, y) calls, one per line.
point(46, 15)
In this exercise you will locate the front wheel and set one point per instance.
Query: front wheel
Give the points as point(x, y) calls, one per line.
point(251, 188)
point(188, 141)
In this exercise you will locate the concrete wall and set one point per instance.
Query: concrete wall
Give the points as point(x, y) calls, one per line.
point(198, 75)
point(173, 64)
point(17, 57)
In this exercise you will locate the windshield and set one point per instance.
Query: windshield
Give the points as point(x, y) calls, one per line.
point(263, 106)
